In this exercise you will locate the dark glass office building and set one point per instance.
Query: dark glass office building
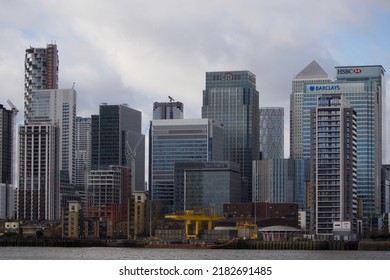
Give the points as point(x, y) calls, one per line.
point(232, 98)
point(200, 185)
point(179, 140)
point(6, 167)
point(116, 131)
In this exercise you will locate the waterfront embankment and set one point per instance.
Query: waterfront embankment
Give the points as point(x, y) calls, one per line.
point(366, 245)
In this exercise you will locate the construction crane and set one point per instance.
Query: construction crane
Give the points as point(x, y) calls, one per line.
point(171, 107)
point(132, 153)
point(190, 216)
point(14, 112)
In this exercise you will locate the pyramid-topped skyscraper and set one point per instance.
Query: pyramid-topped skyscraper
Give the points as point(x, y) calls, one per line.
point(312, 73)
point(364, 87)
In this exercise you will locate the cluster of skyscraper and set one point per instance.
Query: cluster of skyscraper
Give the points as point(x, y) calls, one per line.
point(234, 153)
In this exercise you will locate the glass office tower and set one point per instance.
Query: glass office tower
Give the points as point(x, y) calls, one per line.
point(6, 162)
point(312, 73)
point(58, 107)
point(116, 131)
point(280, 181)
point(371, 109)
point(178, 140)
point(363, 86)
point(232, 98)
point(200, 185)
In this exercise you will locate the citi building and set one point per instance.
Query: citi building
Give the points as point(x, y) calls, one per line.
point(232, 98)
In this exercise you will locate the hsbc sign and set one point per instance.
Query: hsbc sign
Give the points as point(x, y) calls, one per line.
point(349, 71)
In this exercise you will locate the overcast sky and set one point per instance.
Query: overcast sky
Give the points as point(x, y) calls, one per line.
point(139, 52)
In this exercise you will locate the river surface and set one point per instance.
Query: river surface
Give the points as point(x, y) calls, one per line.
point(98, 253)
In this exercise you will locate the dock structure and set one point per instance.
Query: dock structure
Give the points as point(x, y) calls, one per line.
point(191, 217)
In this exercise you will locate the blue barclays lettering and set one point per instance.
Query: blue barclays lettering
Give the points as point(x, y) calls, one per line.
point(315, 88)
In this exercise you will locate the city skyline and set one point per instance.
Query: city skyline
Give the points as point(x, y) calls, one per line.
point(165, 50)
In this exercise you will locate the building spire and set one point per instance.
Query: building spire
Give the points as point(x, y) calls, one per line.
point(312, 71)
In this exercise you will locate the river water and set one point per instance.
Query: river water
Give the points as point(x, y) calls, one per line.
point(98, 253)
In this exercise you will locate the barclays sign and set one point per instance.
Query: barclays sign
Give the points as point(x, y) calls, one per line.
point(324, 87)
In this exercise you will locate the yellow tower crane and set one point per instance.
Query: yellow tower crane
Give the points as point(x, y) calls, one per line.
point(197, 217)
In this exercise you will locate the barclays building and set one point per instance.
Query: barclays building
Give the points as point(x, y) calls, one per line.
point(364, 87)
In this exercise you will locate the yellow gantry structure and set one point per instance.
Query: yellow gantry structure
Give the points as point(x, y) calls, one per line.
point(197, 217)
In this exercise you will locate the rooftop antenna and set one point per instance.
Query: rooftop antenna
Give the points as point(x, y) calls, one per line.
point(73, 85)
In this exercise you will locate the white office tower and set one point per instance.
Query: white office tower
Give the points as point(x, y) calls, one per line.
point(58, 107)
point(313, 73)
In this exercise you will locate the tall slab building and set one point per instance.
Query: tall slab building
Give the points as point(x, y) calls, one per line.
point(6, 162)
point(232, 98)
point(334, 163)
point(83, 151)
point(38, 190)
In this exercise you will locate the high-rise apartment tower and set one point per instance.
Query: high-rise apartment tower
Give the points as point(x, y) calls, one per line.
point(334, 163)
point(41, 72)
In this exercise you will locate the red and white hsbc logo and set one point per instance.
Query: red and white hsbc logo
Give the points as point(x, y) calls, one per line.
point(349, 71)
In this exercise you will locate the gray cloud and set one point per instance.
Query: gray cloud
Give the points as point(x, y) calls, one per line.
point(138, 52)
